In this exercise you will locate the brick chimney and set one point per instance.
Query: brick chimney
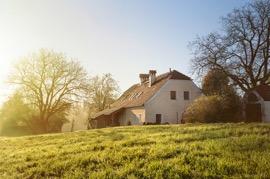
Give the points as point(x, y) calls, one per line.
point(152, 77)
point(144, 78)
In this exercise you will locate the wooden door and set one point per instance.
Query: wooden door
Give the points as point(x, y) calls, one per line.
point(253, 113)
point(158, 118)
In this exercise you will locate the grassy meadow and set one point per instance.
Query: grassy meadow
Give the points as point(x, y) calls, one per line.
point(168, 151)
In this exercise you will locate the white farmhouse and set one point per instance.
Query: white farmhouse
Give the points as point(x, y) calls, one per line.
point(156, 99)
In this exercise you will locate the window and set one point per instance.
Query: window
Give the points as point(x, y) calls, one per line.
point(186, 95)
point(158, 118)
point(135, 95)
point(173, 95)
point(139, 94)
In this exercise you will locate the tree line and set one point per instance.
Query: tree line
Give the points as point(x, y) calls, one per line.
point(49, 84)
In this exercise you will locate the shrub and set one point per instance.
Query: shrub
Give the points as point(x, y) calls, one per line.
point(216, 82)
point(207, 109)
point(204, 109)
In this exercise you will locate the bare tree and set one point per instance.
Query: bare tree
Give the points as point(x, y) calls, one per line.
point(103, 92)
point(51, 83)
point(241, 50)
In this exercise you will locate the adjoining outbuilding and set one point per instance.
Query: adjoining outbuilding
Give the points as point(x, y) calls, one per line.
point(257, 104)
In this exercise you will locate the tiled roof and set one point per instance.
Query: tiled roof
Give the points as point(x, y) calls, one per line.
point(264, 92)
point(138, 94)
point(108, 111)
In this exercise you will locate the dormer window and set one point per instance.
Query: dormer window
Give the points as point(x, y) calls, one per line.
point(135, 95)
point(173, 95)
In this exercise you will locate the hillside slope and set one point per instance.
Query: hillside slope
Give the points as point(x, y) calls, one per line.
point(172, 151)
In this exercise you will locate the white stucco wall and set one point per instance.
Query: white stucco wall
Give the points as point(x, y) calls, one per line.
point(266, 117)
point(171, 110)
point(135, 115)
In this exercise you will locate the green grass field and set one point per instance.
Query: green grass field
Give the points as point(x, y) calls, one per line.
point(170, 151)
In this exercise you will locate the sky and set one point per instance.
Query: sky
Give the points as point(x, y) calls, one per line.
point(121, 37)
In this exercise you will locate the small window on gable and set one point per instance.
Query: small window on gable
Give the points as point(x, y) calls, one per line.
point(186, 95)
point(173, 95)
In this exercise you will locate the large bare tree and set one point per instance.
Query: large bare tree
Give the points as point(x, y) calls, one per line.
point(241, 49)
point(51, 83)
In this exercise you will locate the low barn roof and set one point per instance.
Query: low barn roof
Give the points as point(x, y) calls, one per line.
point(138, 94)
point(264, 92)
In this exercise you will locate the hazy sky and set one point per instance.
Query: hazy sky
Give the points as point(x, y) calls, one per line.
point(122, 37)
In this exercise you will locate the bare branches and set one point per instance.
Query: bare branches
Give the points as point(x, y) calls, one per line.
point(241, 50)
point(103, 92)
point(51, 81)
